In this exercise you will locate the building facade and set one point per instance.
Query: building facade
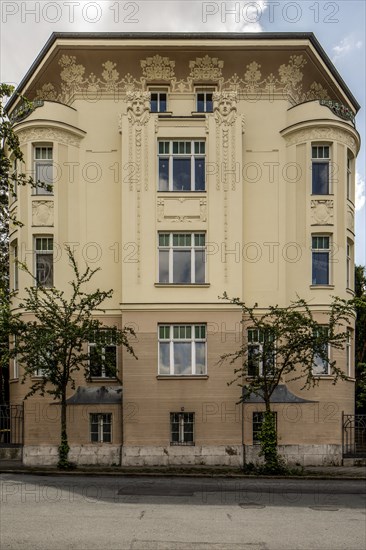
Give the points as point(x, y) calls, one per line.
point(186, 166)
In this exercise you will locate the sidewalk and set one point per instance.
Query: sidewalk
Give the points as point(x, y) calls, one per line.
point(310, 472)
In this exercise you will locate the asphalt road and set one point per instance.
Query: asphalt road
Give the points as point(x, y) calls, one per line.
point(153, 513)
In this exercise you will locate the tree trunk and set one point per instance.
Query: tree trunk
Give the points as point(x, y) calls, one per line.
point(63, 450)
point(268, 438)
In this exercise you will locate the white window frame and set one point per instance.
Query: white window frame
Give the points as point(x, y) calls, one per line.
point(48, 162)
point(159, 92)
point(101, 430)
point(14, 195)
point(349, 265)
point(257, 344)
point(349, 362)
point(15, 361)
point(319, 158)
point(317, 365)
point(183, 419)
point(165, 151)
point(44, 252)
point(171, 340)
point(324, 250)
point(193, 248)
point(15, 254)
point(349, 176)
point(205, 91)
point(102, 366)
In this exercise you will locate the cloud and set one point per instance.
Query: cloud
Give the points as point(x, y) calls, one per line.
point(360, 192)
point(345, 46)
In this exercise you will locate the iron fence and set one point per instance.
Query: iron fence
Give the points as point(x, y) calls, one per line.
point(11, 425)
point(354, 435)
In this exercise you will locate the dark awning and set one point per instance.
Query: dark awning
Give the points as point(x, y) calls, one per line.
point(280, 395)
point(96, 395)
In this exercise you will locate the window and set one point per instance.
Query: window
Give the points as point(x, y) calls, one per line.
point(258, 418)
point(15, 361)
point(103, 356)
point(101, 428)
point(204, 101)
point(182, 349)
point(181, 165)
point(44, 261)
point(182, 258)
point(349, 266)
point(158, 101)
point(349, 175)
point(43, 169)
point(349, 352)
point(261, 352)
point(14, 180)
point(14, 248)
point(320, 260)
point(321, 352)
point(320, 169)
point(182, 428)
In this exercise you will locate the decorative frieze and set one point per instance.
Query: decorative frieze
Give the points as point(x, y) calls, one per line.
point(324, 133)
point(48, 134)
point(181, 209)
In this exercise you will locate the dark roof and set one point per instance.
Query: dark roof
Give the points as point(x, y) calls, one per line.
point(188, 36)
point(281, 394)
point(96, 395)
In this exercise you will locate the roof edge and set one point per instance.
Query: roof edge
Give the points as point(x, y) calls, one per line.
point(194, 35)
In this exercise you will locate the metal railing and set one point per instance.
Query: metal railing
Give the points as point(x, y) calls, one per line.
point(11, 425)
point(354, 435)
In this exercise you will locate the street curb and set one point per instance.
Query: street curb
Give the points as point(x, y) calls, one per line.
point(74, 473)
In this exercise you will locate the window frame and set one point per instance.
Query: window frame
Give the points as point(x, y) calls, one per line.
point(167, 154)
point(185, 419)
point(43, 252)
point(205, 91)
point(257, 343)
point(349, 356)
point(38, 190)
point(349, 265)
point(349, 176)
point(321, 160)
point(14, 174)
point(101, 432)
point(316, 251)
point(159, 92)
point(102, 366)
point(172, 340)
point(15, 254)
point(195, 250)
point(15, 360)
point(327, 373)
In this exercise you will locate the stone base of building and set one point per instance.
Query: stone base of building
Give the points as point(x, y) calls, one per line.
point(301, 455)
point(197, 455)
point(47, 455)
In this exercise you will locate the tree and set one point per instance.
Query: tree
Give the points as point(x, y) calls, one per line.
point(11, 158)
point(360, 338)
point(52, 343)
point(284, 344)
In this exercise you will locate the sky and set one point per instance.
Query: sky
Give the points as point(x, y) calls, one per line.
point(339, 26)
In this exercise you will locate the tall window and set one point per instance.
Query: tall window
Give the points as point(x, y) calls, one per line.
point(14, 179)
point(182, 428)
point(44, 261)
point(101, 428)
point(349, 352)
point(158, 101)
point(349, 175)
point(349, 266)
point(320, 260)
point(43, 169)
point(182, 349)
point(204, 101)
point(14, 248)
point(320, 169)
point(15, 361)
point(181, 165)
point(182, 258)
point(321, 352)
point(261, 352)
point(103, 357)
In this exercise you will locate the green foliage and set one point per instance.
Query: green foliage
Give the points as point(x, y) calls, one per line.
point(52, 330)
point(360, 338)
point(290, 340)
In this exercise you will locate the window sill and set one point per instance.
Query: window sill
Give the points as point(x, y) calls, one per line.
point(323, 376)
point(182, 377)
point(173, 444)
point(162, 114)
point(324, 287)
point(322, 195)
point(182, 191)
point(201, 114)
point(350, 291)
point(182, 285)
point(102, 378)
point(43, 195)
